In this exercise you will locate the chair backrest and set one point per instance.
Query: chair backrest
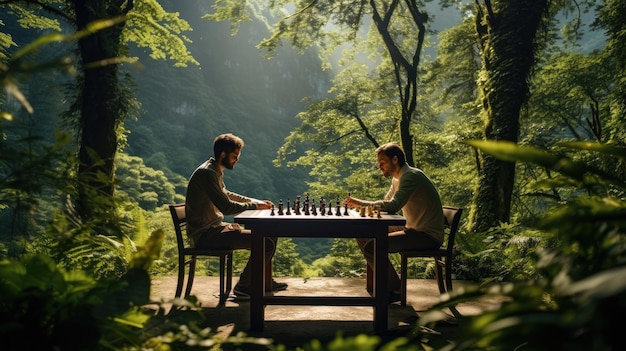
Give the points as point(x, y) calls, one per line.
point(180, 223)
point(453, 220)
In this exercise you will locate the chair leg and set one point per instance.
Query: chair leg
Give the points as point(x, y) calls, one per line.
point(448, 274)
point(439, 275)
point(223, 293)
point(229, 273)
point(403, 278)
point(192, 272)
point(181, 275)
point(268, 277)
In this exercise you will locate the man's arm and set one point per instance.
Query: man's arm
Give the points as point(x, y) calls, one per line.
point(260, 204)
point(356, 202)
point(221, 200)
point(408, 182)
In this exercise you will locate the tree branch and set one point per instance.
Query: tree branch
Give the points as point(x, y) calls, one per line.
point(46, 7)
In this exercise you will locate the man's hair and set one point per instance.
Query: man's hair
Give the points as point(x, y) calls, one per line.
point(391, 150)
point(226, 143)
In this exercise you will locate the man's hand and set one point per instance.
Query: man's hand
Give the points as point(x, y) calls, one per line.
point(265, 205)
point(350, 202)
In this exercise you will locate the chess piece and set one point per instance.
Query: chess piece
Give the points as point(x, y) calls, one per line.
point(345, 210)
point(288, 208)
point(322, 207)
point(280, 207)
point(272, 213)
point(296, 205)
point(338, 210)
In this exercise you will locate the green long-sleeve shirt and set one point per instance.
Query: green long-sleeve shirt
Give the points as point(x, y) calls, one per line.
point(208, 200)
point(417, 197)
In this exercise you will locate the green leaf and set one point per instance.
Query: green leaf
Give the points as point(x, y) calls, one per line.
point(512, 152)
point(149, 252)
point(599, 286)
point(588, 210)
point(134, 318)
point(609, 149)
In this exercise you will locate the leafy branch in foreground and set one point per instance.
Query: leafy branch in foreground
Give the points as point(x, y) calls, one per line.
point(581, 287)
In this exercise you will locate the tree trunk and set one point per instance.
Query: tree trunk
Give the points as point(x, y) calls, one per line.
point(101, 107)
point(405, 69)
point(507, 32)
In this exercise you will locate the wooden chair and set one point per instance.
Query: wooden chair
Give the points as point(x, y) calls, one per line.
point(187, 255)
point(442, 256)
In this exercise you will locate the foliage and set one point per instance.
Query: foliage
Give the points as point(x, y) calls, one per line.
point(344, 260)
point(101, 101)
point(583, 239)
point(29, 168)
point(287, 262)
point(310, 249)
point(18, 65)
point(399, 27)
point(362, 342)
point(579, 286)
point(47, 307)
point(147, 186)
point(149, 26)
point(502, 254)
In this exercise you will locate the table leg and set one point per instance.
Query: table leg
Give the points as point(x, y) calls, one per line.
point(257, 259)
point(381, 257)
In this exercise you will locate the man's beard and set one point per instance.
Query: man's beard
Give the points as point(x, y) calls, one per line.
point(226, 163)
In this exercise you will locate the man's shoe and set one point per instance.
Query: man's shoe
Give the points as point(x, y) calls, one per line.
point(276, 286)
point(242, 293)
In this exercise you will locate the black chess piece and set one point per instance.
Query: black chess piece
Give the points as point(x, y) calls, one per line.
point(288, 207)
point(313, 210)
point(345, 210)
point(272, 213)
point(322, 207)
point(305, 207)
point(296, 205)
point(280, 207)
point(338, 210)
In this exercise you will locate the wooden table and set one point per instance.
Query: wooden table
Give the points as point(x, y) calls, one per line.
point(268, 223)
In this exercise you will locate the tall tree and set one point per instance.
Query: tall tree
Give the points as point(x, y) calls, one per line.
point(507, 35)
point(102, 102)
point(401, 25)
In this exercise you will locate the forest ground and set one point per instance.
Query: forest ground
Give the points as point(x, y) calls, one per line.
point(295, 326)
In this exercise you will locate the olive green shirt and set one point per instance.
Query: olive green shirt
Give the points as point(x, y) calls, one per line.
point(416, 195)
point(208, 200)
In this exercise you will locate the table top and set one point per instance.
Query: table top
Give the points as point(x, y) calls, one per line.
point(352, 224)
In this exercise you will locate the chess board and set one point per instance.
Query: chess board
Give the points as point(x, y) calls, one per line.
point(335, 215)
point(304, 208)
